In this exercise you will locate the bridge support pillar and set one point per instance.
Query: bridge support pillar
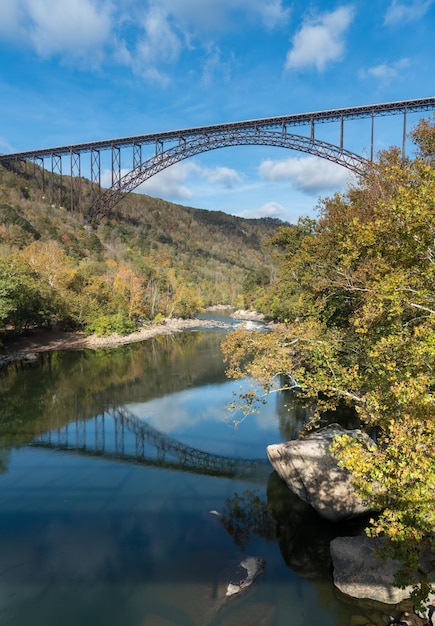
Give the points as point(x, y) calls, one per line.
point(404, 135)
point(76, 181)
point(38, 172)
point(95, 174)
point(56, 179)
point(137, 155)
point(116, 166)
point(341, 132)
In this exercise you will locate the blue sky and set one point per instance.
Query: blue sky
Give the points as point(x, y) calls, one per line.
point(73, 71)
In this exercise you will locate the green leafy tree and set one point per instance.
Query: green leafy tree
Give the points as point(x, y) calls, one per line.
point(360, 329)
point(22, 304)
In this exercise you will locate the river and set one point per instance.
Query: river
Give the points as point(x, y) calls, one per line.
point(127, 497)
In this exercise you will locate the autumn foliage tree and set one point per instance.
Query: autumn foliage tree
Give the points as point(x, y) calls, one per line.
point(356, 297)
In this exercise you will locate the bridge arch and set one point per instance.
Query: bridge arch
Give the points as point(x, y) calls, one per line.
point(187, 148)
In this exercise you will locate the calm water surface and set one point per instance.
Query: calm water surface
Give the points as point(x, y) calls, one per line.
point(113, 467)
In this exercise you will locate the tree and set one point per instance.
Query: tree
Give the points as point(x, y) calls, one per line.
point(360, 329)
point(281, 300)
point(22, 304)
point(54, 270)
point(129, 288)
point(424, 136)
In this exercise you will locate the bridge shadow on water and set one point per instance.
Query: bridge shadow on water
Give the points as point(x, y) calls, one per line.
point(118, 435)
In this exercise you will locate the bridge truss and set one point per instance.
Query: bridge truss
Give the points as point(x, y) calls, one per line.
point(170, 147)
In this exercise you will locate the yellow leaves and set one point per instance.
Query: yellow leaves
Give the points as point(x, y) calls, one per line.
point(186, 301)
point(424, 136)
point(50, 262)
point(306, 352)
point(111, 264)
point(129, 286)
point(397, 478)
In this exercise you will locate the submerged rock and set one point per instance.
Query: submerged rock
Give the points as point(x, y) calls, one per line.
point(254, 566)
point(311, 471)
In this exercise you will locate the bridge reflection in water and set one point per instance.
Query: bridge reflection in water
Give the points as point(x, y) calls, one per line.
point(118, 435)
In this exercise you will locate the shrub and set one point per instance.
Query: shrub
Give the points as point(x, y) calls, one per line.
point(105, 325)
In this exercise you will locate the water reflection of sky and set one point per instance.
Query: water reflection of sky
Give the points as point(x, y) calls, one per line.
point(199, 418)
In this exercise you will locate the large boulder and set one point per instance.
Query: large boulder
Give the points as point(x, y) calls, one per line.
point(311, 471)
point(360, 573)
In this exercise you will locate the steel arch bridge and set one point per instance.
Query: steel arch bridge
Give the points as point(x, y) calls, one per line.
point(171, 147)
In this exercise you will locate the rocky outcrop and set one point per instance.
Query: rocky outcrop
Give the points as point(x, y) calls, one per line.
point(243, 314)
point(360, 573)
point(311, 471)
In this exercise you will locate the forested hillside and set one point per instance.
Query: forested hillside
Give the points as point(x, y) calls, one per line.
point(149, 258)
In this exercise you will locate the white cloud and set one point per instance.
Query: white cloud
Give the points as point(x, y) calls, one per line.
point(167, 183)
point(159, 46)
point(170, 183)
point(269, 209)
point(273, 13)
point(180, 181)
point(311, 174)
point(223, 176)
point(320, 40)
point(147, 36)
point(385, 71)
point(170, 26)
point(215, 67)
point(214, 15)
point(401, 12)
point(11, 17)
point(77, 28)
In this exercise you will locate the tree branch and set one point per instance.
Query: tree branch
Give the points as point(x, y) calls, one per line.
point(419, 306)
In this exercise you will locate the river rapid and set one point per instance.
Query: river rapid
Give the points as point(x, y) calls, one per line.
point(127, 497)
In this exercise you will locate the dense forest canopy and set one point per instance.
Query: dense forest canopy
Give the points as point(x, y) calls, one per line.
point(149, 259)
point(355, 296)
